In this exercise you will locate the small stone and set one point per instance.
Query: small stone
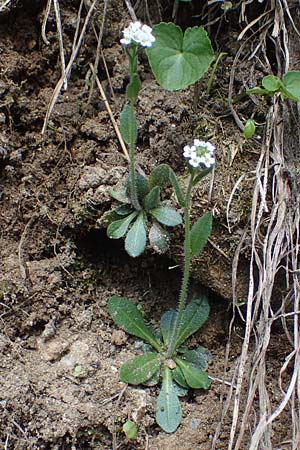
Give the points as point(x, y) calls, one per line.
point(118, 337)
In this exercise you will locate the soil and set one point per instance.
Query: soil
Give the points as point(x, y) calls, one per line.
point(60, 352)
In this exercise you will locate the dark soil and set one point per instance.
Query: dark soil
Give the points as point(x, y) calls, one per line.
point(60, 352)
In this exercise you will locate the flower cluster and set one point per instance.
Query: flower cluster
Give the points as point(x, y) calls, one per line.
point(200, 153)
point(138, 33)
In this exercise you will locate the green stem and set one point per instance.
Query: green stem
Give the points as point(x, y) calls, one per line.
point(132, 56)
point(186, 269)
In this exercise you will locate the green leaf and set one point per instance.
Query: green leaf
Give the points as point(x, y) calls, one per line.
point(123, 210)
point(201, 175)
point(133, 87)
point(166, 215)
point(194, 377)
point(200, 232)
point(140, 369)
point(159, 238)
point(177, 188)
point(119, 193)
point(193, 317)
point(126, 315)
point(178, 60)
point(167, 324)
point(135, 242)
point(271, 83)
point(141, 186)
point(128, 126)
point(258, 90)
point(178, 376)
point(249, 128)
point(159, 176)
point(168, 409)
point(200, 357)
point(130, 429)
point(152, 198)
point(291, 84)
point(118, 228)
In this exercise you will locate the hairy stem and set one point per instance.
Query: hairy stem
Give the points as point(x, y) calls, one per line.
point(186, 269)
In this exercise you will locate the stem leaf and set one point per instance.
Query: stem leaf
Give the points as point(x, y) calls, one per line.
point(166, 215)
point(118, 228)
point(128, 126)
point(177, 188)
point(193, 317)
point(133, 87)
point(168, 409)
point(194, 377)
point(140, 369)
point(200, 232)
point(135, 242)
point(126, 315)
point(201, 175)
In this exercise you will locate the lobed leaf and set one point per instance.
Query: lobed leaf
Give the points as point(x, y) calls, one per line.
point(200, 232)
point(126, 315)
point(118, 228)
point(140, 369)
point(193, 317)
point(166, 215)
point(168, 409)
point(135, 242)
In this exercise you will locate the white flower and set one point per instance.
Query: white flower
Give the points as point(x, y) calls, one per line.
point(138, 33)
point(201, 153)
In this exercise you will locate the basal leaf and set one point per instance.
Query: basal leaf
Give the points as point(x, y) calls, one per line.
point(166, 215)
point(140, 369)
point(178, 60)
point(128, 126)
point(167, 324)
point(159, 176)
point(118, 228)
point(168, 409)
point(152, 198)
point(200, 232)
point(135, 242)
point(199, 356)
point(249, 129)
point(177, 188)
point(119, 193)
point(291, 84)
point(271, 83)
point(194, 377)
point(141, 186)
point(126, 315)
point(159, 238)
point(124, 210)
point(194, 316)
point(178, 376)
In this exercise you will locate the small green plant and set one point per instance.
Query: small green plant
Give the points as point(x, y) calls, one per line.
point(166, 358)
point(177, 60)
point(288, 87)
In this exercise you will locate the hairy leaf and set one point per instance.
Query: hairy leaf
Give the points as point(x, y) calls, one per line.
point(135, 242)
point(194, 377)
point(178, 60)
point(119, 193)
point(159, 176)
point(168, 409)
point(166, 215)
point(133, 87)
point(167, 324)
point(140, 369)
point(126, 315)
point(200, 232)
point(178, 376)
point(128, 126)
point(118, 228)
point(152, 198)
point(193, 317)
point(159, 238)
point(200, 357)
point(201, 175)
point(177, 188)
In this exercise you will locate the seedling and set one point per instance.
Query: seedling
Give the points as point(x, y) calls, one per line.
point(177, 60)
point(166, 359)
